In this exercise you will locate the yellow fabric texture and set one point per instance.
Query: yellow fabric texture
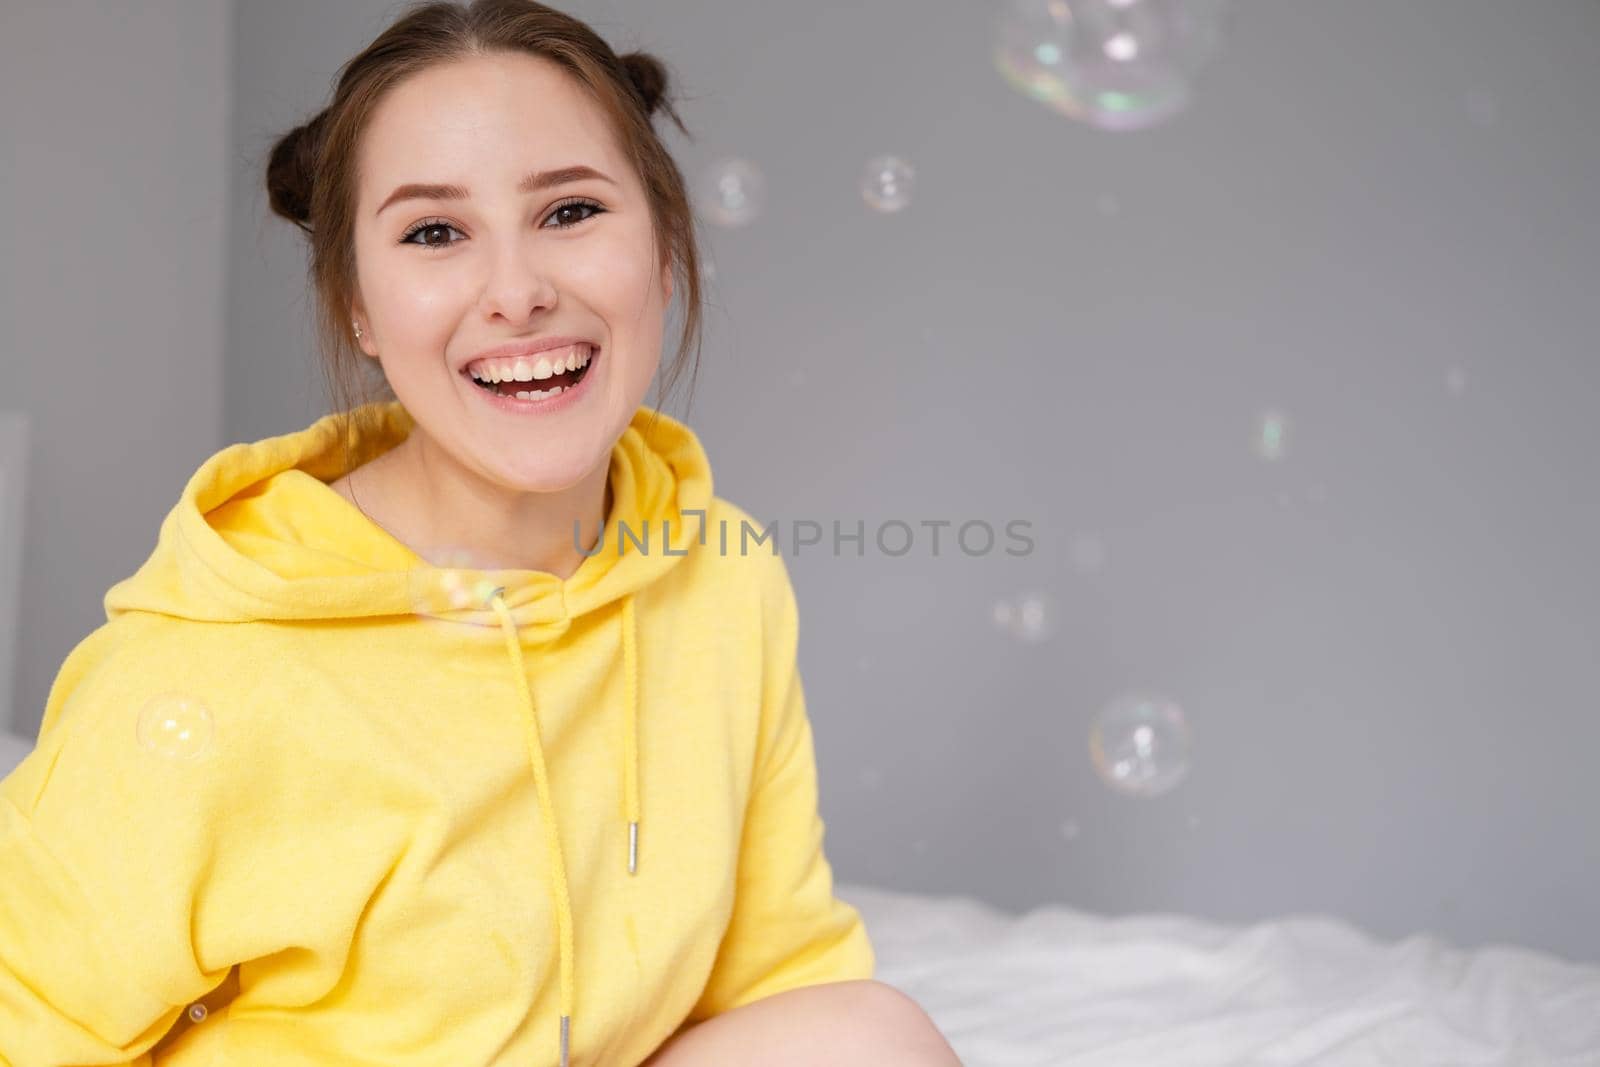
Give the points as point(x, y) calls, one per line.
point(406, 813)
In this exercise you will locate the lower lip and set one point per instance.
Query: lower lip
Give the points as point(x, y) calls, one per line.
point(549, 405)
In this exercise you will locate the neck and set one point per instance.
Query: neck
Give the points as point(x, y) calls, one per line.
point(428, 502)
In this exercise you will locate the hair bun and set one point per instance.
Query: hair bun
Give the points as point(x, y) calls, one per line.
point(292, 168)
point(649, 78)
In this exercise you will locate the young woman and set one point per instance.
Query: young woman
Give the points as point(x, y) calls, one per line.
point(444, 731)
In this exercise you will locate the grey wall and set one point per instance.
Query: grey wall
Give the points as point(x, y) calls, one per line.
point(1385, 641)
point(115, 132)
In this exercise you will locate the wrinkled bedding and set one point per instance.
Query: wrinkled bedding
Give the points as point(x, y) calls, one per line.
point(1062, 986)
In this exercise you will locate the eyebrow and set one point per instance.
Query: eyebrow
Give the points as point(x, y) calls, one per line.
point(530, 183)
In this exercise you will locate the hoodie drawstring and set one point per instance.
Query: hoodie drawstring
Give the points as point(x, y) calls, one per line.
point(552, 841)
point(630, 732)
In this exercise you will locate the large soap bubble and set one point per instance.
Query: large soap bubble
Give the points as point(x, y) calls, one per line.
point(1114, 64)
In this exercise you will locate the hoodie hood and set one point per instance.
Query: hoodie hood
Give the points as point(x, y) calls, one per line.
point(258, 534)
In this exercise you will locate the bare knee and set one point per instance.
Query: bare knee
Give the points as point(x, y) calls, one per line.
point(906, 1032)
point(840, 1024)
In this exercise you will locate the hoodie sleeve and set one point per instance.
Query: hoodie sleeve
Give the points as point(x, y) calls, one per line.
point(787, 929)
point(131, 880)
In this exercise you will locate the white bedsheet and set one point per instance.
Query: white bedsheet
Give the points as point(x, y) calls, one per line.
point(1062, 986)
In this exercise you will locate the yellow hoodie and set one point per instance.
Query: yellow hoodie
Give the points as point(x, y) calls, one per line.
point(306, 798)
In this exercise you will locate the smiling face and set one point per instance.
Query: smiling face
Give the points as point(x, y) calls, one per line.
point(442, 279)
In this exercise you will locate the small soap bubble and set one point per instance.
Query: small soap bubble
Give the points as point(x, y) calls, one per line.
point(176, 726)
point(1029, 617)
point(733, 192)
point(1272, 435)
point(1035, 617)
point(1140, 744)
point(198, 1012)
point(454, 579)
point(888, 183)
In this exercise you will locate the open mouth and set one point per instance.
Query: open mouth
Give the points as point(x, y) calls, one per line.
point(538, 388)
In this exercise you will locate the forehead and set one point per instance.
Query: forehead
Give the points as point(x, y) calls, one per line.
point(483, 122)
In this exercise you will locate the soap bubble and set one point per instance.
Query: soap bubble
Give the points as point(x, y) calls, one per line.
point(454, 579)
point(1029, 617)
point(1114, 64)
point(888, 183)
point(734, 192)
point(175, 726)
point(1140, 744)
point(1272, 434)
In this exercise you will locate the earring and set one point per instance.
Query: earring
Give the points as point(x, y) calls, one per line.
point(357, 325)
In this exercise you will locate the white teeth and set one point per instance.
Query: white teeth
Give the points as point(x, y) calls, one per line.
point(537, 394)
point(527, 369)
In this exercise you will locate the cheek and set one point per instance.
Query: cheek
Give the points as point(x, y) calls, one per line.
point(418, 305)
point(616, 275)
point(432, 300)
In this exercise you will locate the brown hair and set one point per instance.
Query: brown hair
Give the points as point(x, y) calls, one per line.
point(311, 174)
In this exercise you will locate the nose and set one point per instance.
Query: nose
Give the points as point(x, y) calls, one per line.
point(518, 287)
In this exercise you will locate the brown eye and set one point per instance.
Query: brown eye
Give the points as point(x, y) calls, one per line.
point(426, 228)
point(572, 207)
